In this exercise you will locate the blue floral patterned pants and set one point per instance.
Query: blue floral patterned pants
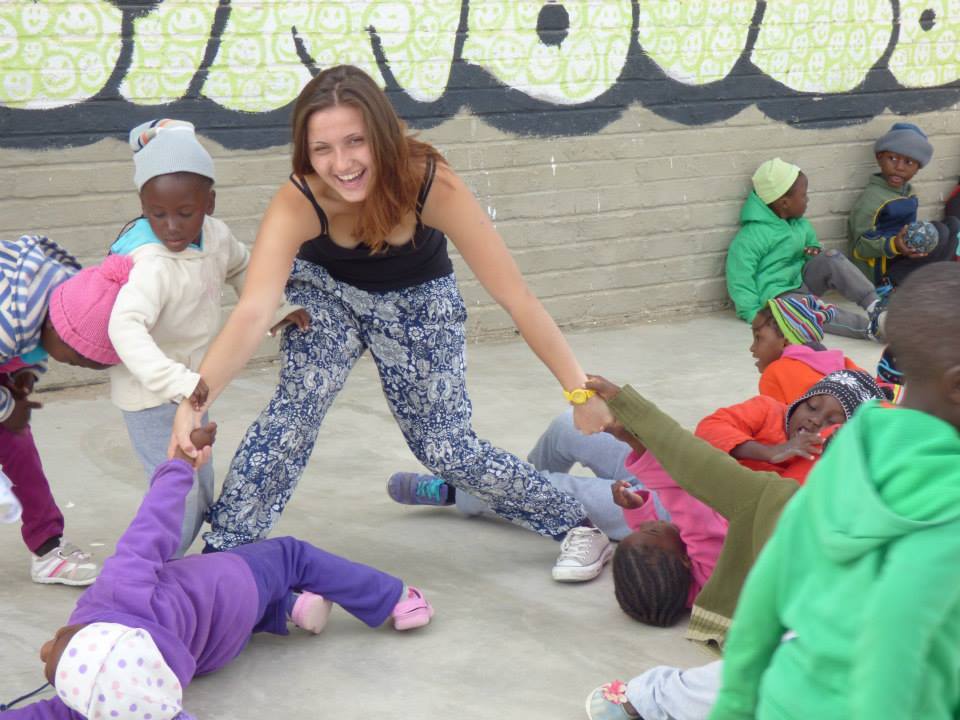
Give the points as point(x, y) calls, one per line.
point(416, 337)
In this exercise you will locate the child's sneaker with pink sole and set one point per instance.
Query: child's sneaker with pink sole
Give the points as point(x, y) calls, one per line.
point(65, 564)
point(609, 702)
point(412, 612)
point(311, 612)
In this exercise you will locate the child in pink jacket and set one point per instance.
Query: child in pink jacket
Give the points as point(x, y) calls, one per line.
point(675, 558)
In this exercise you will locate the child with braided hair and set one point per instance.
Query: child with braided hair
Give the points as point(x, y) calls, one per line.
point(749, 501)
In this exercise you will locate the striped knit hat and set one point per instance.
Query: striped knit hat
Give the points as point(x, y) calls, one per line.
point(801, 317)
point(30, 268)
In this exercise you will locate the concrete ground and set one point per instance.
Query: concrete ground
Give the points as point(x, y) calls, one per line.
point(506, 641)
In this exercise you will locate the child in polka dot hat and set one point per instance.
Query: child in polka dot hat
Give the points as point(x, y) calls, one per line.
point(151, 623)
point(109, 670)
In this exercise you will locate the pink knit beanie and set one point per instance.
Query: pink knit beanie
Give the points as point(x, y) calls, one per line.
point(80, 308)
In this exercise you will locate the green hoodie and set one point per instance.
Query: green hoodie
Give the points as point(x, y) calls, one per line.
point(766, 257)
point(863, 576)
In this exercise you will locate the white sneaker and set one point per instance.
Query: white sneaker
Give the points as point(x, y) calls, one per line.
point(67, 565)
point(583, 553)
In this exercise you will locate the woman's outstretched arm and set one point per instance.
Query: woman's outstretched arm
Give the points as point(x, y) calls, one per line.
point(452, 208)
point(287, 224)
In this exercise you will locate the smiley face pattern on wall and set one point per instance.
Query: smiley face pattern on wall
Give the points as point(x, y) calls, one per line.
point(77, 70)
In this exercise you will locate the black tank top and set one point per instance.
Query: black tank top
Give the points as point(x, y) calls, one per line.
point(420, 260)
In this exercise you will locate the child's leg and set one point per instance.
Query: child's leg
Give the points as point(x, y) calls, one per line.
point(593, 492)
point(555, 452)
point(832, 270)
point(42, 519)
point(281, 565)
point(562, 445)
point(668, 693)
point(149, 432)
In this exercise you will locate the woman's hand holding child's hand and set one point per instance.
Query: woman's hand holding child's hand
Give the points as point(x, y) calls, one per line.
point(803, 444)
point(624, 496)
point(606, 391)
point(592, 416)
point(185, 422)
point(202, 439)
point(299, 317)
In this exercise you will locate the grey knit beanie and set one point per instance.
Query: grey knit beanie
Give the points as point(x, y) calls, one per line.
point(161, 147)
point(906, 139)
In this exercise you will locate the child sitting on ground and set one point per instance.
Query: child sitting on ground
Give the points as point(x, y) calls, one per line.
point(852, 610)
point(879, 219)
point(750, 501)
point(787, 337)
point(776, 252)
point(169, 311)
point(46, 309)
point(150, 624)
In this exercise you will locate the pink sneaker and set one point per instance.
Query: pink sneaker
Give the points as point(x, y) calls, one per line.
point(413, 612)
point(311, 611)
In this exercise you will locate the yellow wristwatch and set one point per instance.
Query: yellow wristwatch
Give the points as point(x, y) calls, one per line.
point(578, 396)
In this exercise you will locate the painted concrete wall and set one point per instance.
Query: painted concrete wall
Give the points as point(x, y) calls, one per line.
point(611, 141)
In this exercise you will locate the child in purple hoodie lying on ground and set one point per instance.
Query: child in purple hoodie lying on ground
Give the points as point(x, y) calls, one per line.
point(150, 624)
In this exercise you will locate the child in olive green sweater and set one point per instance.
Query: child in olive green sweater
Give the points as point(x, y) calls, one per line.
point(751, 501)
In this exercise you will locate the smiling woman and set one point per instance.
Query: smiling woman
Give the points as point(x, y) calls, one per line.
point(358, 237)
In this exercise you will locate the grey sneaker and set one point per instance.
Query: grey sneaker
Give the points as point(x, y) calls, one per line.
point(66, 565)
point(583, 553)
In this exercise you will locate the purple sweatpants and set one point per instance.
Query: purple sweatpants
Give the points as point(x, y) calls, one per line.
point(285, 564)
point(42, 518)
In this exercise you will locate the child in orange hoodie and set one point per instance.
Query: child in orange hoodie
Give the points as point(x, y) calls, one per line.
point(787, 337)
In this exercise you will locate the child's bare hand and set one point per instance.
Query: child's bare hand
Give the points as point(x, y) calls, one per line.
point(603, 387)
point(900, 243)
point(202, 439)
point(624, 496)
point(811, 250)
point(198, 398)
point(23, 382)
point(616, 428)
point(803, 444)
point(20, 417)
point(299, 317)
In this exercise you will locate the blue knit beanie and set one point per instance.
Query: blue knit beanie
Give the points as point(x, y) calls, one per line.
point(906, 139)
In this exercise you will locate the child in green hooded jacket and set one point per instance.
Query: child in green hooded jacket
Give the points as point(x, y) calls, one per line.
point(776, 252)
point(853, 607)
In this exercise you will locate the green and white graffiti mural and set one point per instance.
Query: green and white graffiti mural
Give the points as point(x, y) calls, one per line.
point(94, 67)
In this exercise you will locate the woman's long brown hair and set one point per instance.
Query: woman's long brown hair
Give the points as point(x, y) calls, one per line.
point(397, 175)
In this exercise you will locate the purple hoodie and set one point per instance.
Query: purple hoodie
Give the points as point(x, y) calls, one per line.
point(200, 610)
